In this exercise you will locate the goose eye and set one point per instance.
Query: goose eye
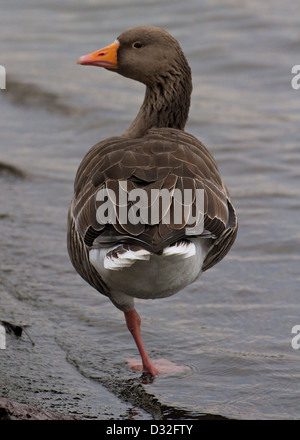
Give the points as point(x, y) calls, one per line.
point(137, 45)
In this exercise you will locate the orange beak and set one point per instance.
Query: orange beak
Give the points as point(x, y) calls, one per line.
point(106, 57)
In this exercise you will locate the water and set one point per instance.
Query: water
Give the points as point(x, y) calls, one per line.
point(233, 326)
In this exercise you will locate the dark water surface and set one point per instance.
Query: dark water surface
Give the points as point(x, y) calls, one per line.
point(233, 326)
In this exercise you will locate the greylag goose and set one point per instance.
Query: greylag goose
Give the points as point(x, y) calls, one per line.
point(147, 254)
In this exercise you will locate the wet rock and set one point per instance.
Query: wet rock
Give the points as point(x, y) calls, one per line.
point(16, 329)
point(11, 410)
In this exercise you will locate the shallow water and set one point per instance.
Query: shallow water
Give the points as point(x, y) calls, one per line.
point(233, 326)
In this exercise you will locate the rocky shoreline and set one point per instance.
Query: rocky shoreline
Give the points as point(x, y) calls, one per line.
point(11, 410)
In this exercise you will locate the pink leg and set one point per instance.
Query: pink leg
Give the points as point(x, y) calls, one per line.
point(133, 322)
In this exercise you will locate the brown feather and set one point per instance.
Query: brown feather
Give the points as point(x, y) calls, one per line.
point(171, 165)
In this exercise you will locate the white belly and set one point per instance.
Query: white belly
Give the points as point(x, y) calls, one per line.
point(154, 276)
